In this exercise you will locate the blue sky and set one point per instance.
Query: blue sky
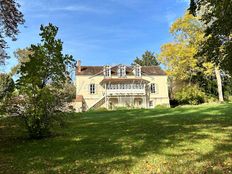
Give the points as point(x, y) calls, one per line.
point(100, 32)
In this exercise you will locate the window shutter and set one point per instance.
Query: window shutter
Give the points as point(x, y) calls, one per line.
point(156, 88)
point(124, 71)
point(109, 71)
point(104, 70)
point(96, 88)
point(88, 88)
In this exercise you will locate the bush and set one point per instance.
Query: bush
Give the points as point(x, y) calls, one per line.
point(211, 99)
point(101, 109)
point(162, 106)
point(230, 98)
point(38, 112)
point(174, 103)
point(120, 108)
point(190, 95)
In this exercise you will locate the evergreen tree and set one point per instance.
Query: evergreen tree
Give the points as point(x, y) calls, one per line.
point(147, 59)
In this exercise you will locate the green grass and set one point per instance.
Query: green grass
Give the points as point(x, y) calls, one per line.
point(194, 139)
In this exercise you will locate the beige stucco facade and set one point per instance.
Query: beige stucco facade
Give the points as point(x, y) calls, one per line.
point(103, 97)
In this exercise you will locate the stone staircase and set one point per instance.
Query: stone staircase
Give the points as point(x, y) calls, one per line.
point(99, 103)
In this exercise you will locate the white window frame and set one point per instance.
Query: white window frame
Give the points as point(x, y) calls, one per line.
point(137, 71)
point(121, 71)
point(107, 71)
point(153, 88)
point(92, 88)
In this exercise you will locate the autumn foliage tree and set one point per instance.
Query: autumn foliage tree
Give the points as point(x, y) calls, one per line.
point(181, 56)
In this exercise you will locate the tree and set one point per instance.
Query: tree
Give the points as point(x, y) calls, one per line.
point(6, 89)
point(193, 7)
point(41, 83)
point(216, 15)
point(6, 86)
point(181, 56)
point(22, 56)
point(10, 19)
point(147, 59)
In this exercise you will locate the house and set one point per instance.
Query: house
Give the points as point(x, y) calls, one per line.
point(120, 86)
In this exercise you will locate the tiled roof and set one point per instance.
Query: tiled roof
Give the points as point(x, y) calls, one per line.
point(98, 70)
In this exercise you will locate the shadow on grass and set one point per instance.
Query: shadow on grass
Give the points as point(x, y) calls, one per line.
point(116, 141)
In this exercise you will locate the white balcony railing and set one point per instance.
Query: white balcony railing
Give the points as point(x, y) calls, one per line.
point(130, 89)
point(126, 91)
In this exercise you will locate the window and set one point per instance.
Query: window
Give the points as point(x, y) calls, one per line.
point(137, 71)
point(121, 71)
point(92, 89)
point(153, 88)
point(107, 71)
point(150, 103)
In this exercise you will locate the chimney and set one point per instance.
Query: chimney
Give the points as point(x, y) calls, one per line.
point(78, 66)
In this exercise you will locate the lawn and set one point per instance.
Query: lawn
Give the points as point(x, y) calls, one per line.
point(193, 139)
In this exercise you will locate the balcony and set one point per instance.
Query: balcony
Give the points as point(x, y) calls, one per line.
point(125, 86)
point(126, 89)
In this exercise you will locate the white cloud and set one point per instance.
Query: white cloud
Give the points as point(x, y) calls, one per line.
point(78, 8)
point(51, 6)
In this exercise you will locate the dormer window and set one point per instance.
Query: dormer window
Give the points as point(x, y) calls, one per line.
point(137, 70)
point(107, 71)
point(121, 71)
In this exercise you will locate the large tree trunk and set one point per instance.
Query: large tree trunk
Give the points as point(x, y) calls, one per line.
point(219, 84)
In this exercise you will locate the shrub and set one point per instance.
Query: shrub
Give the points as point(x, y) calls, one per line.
point(211, 99)
point(162, 106)
point(39, 111)
point(190, 95)
point(230, 98)
point(101, 109)
point(120, 108)
point(174, 103)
